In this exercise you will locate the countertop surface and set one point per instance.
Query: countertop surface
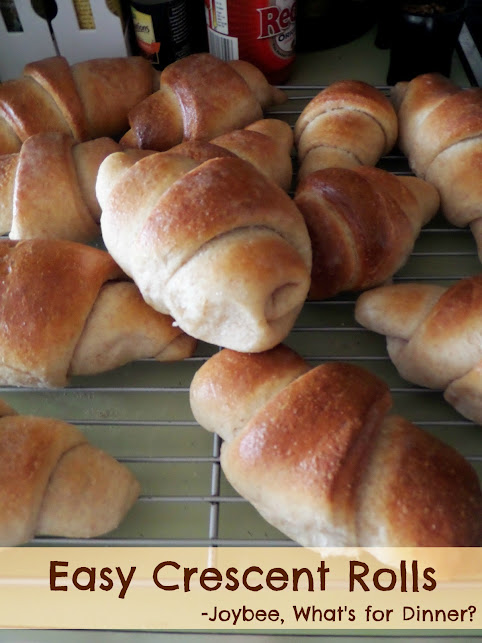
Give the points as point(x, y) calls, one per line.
point(359, 60)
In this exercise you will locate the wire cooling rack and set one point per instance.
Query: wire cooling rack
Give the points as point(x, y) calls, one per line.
point(140, 413)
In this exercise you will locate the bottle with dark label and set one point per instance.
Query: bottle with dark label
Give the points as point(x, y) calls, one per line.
point(263, 32)
point(161, 30)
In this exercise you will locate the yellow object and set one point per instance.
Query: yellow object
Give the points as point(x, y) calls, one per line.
point(115, 7)
point(85, 17)
point(84, 14)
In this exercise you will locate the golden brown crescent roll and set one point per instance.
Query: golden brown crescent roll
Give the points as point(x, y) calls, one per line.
point(87, 100)
point(200, 97)
point(214, 244)
point(363, 223)
point(315, 452)
point(53, 482)
point(47, 190)
point(266, 144)
point(440, 132)
point(67, 309)
point(348, 124)
point(434, 336)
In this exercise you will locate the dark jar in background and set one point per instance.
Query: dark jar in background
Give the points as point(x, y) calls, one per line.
point(423, 38)
point(162, 30)
point(262, 32)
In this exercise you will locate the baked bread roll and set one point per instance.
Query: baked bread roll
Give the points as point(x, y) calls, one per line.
point(66, 309)
point(53, 482)
point(363, 224)
point(200, 97)
point(47, 190)
point(441, 134)
point(434, 336)
point(87, 100)
point(267, 144)
point(348, 124)
point(317, 455)
point(214, 244)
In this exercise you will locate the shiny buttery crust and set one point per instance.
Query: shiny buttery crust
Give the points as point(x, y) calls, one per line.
point(266, 144)
point(363, 224)
point(320, 459)
point(48, 291)
point(440, 132)
point(350, 123)
point(433, 336)
point(200, 97)
point(86, 100)
point(52, 482)
point(215, 244)
point(47, 190)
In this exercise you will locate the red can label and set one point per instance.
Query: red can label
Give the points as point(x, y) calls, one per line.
point(262, 32)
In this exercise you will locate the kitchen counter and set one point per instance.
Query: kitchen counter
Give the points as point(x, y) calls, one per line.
point(359, 59)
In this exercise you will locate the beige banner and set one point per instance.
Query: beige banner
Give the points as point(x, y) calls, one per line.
point(240, 588)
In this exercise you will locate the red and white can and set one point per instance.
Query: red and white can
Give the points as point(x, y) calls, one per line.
point(263, 32)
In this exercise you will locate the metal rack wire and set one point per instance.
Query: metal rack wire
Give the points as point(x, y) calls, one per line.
point(140, 413)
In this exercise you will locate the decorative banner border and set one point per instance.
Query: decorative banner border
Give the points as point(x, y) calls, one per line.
point(240, 589)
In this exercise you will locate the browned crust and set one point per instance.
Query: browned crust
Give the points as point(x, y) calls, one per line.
point(316, 454)
point(156, 122)
point(200, 97)
point(54, 75)
point(48, 202)
point(87, 100)
point(53, 482)
point(29, 109)
point(422, 491)
point(440, 329)
point(268, 155)
point(207, 88)
point(220, 195)
point(396, 309)
point(109, 88)
point(200, 151)
point(47, 290)
point(29, 450)
point(459, 308)
point(314, 438)
point(360, 234)
point(353, 94)
point(455, 119)
point(9, 141)
point(233, 386)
